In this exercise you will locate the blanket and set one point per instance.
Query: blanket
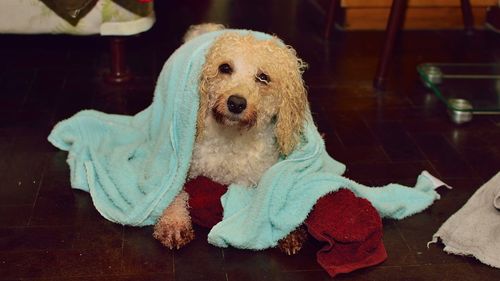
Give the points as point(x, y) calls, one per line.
point(474, 229)
point(133, 166)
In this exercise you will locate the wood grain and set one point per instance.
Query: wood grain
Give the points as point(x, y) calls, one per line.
point(416, 18)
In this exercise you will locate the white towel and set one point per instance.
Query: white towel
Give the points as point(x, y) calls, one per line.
point(474, 230)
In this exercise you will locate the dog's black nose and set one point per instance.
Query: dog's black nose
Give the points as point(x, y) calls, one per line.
point(236, 104)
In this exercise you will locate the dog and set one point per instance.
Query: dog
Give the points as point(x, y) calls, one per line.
point(252, 108)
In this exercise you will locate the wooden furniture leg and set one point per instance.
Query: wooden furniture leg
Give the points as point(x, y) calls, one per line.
point(331, 16)
point(467, 16)
point(394, 25)
point(119, 71)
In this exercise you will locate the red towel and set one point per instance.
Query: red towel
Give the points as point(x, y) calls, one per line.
point(352, 229)
point(204, 201)
point(349, 225)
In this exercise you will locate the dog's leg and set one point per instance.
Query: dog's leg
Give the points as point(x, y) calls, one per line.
point(293, 242)
point(174, 228)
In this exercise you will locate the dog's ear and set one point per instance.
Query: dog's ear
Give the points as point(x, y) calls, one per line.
point(203, 105)
point(208, 72)
point(292, 111)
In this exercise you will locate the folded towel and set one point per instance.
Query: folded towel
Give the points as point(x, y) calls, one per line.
point(475, 229)
point(352, 230)
point(133, 166)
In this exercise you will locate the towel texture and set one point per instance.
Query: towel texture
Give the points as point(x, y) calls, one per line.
point(133, 166)
point(205, 208)
point(348, 225)
point(351, 229)
point(475, 229)
point(257, 218)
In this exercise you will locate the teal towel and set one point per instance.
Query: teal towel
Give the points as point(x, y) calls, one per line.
point(133, 166)
point(257, 218)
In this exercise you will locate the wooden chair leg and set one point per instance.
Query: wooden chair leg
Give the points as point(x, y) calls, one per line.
point(119, 71)
point(467, 16)
point(394, 25)
point(331, 16)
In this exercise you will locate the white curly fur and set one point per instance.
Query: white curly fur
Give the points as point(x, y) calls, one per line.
point(198, 29)
point(233, 148)
point(230, 155)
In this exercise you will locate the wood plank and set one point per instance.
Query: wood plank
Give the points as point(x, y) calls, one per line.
point(415, 3)
point(416, 18)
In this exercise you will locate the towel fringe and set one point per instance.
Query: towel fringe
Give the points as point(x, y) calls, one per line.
point(435, 181)
point(433, 241)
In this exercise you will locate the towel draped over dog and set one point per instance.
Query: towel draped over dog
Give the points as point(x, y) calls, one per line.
point(133, 166)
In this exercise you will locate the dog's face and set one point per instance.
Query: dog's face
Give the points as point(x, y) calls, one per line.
point(248, 83)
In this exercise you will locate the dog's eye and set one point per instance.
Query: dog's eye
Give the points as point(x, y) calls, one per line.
point(263, 78)
point(225, 68)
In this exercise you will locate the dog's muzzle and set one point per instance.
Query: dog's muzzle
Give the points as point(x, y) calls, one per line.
point(236, 104)
point(234, 111)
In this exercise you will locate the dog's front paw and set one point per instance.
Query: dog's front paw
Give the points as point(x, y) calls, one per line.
point(173, 234)
point(293, 242)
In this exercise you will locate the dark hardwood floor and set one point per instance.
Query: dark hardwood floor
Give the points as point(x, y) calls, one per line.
point(50, 232)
